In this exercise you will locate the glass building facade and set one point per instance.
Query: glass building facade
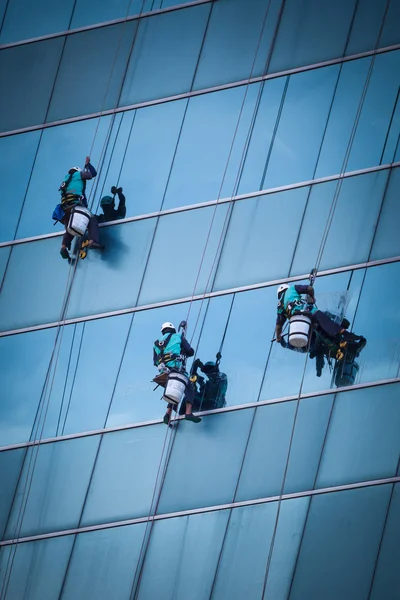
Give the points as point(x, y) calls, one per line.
point(254, 140)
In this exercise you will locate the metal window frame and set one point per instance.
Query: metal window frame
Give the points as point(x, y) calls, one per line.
point(202, 91)
point(136, 17)
point(189, 207)
point(207, 295)
point(233, 408)
point(198, 511)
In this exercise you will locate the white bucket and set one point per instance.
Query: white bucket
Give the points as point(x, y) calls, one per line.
point(299, 330)
point(79, 220)
point(175, 387)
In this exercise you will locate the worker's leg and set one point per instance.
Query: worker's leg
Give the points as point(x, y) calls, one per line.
point(167, 416)
point(331, 328)
point(66, 240)
point(189, 400)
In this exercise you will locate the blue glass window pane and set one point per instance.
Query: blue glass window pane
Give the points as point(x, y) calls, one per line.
point(386, 581)
point(267, 452)
point(10, 467)
point(392, 141)
point(380, 357)
point(390, 33)
point(245, 258)
point(194, 543)
point(59, 484)
point(30, 264)
point(386, 242)
point(38, 568)
point(301, 127)
point(362, 421)
point(115, 273)
point(4, 256)
point(127, 491)
point(181, 239)
point(366, 25)
point(165, 55)
point(204, 147)
point(311, 32)
point(15, 179)
point(205, 462)
point(261, 138)
point(38, 62)
point(24, 358)
point(26, 20)
point(353, 225)
point(232, 41)
point(342, 536)
point(99, 46)
point(103, 563)
point(147, 153)
point(71, 141)
point(377, 112)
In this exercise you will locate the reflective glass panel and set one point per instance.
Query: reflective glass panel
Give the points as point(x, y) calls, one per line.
point(386, 242)
point(10, 468)
point(38, 62)
point(127, 491)
point(361, 422)
point(194, 543)
point(233, 49)
point(165, 55)
point(15, 179)
point(331, 545)
point(205, 461)
point(106, 50)
point(103, 563)
point(386, 581)
point(57, 488)
point(26, 20)
point(356, 202)
point(311, 31)
point(37, 569)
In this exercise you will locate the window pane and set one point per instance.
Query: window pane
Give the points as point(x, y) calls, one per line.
point(38, 568)
point(165, 55)
point(366, 25)
point(330, 546)
point(100, 47)
point(205, 460)
point(10, 467)
point(192, 229)
point(311, 32)
point(232, 40)
point(15, 179)
point(42, 196)
point(59, 484)
point(103, 563)
point(370, 138)
point(267, 451)
point(386, 580)
point(362, 421)
point(26, 20)
point(353, 225)
point(245, 258)
point(194, 543)
point(24, 357)
point(38, 63)
point(301, 127)
point(390, 33)
point(127, 491)
point(386, 242)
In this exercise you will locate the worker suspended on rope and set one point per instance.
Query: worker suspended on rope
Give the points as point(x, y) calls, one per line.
point(290, 303)
point(72, 197)
point(107, 203)
point(169, 355)
point(209, 391)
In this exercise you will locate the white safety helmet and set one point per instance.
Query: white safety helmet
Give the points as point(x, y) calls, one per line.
point(282, 288)
point(167, 326)
point(75, 169)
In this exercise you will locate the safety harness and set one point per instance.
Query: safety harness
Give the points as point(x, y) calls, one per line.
point(165, 357)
